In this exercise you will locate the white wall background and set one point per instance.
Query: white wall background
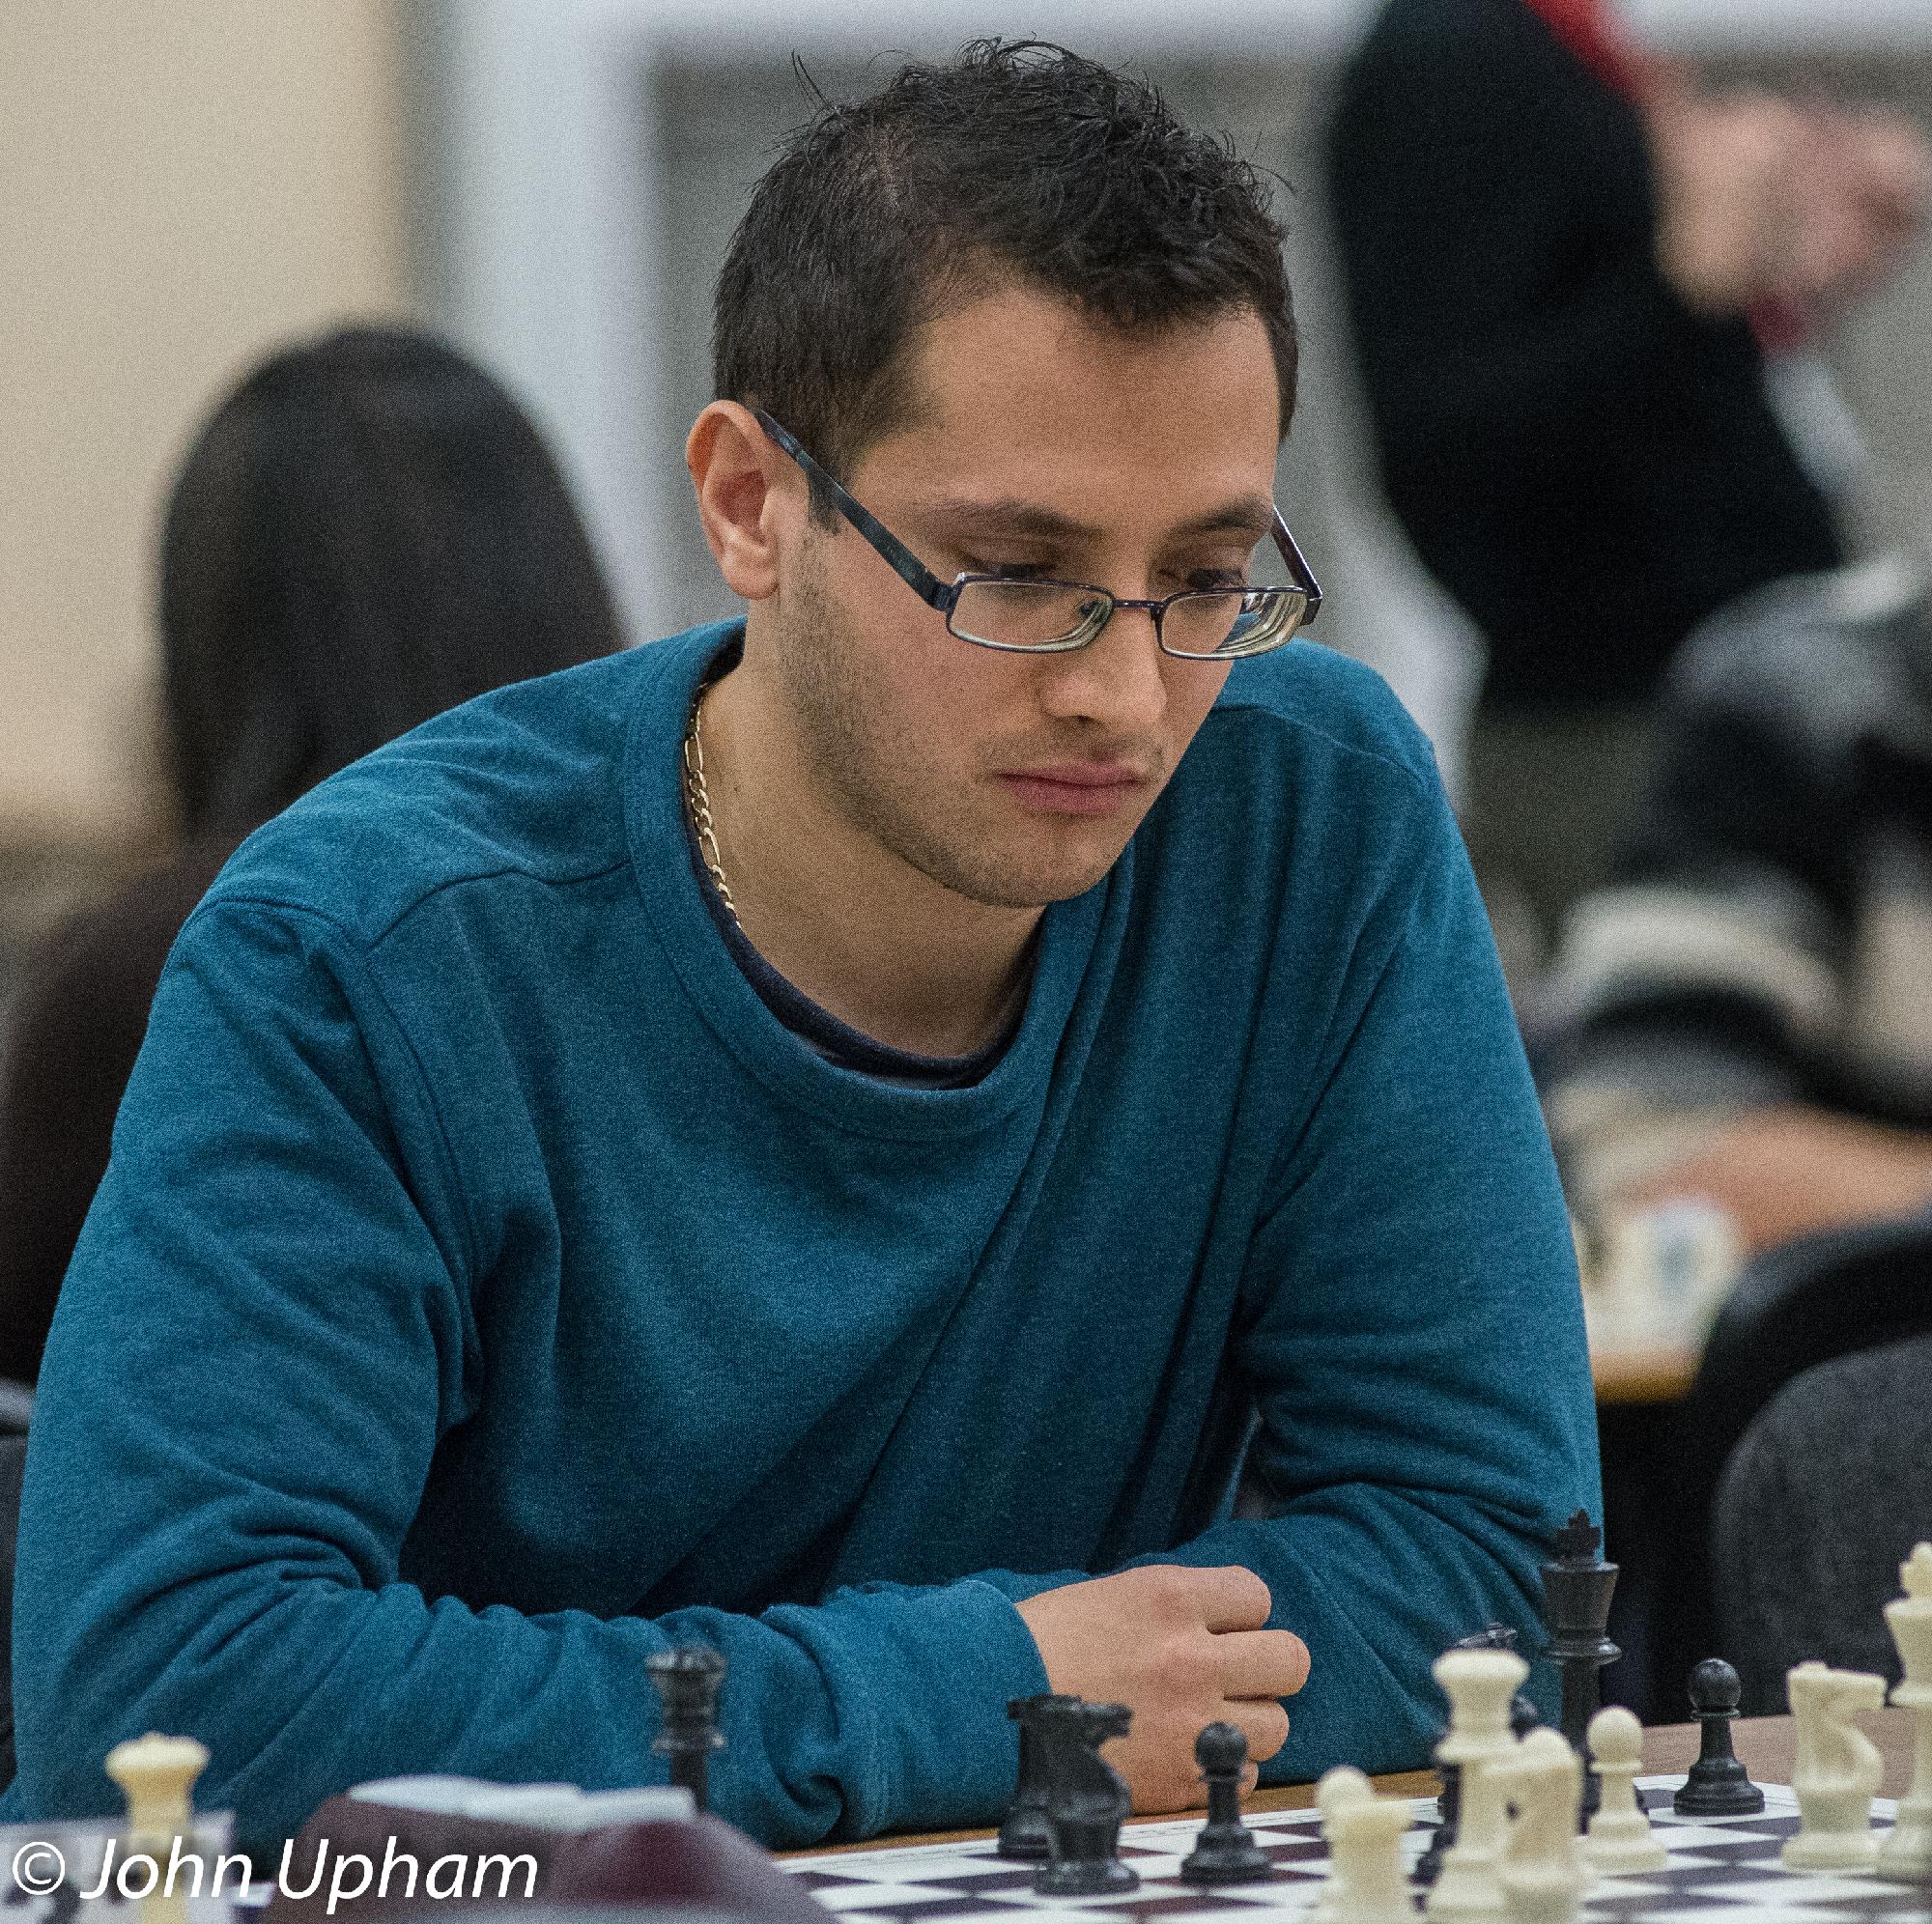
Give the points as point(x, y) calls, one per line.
point(181, 184)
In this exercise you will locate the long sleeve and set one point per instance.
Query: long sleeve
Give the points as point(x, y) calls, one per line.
point(230, 1481)
point(1414, 1342)
point(486, 1290)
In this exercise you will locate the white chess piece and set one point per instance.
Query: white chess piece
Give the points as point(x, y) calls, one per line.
point(1907, 1854)
point(1541, 1875)
point(156, 1775)
point(1479, 1684)
point(1620, 1836)
point(1838, 1770)
point(1368, 1881)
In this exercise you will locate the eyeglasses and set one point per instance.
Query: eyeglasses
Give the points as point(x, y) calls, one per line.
point(1027, 616)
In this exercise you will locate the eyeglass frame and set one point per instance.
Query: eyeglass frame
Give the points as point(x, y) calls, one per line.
point(943, 597)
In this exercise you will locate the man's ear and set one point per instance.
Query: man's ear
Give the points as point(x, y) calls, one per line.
point(743, 495)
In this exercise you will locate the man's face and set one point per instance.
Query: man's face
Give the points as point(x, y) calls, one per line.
point(1039, 443)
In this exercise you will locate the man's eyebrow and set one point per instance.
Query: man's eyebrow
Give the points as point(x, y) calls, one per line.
point(1021, 520)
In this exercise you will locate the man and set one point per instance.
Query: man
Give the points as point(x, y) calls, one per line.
point(1742, 1015)
point(824, 1136)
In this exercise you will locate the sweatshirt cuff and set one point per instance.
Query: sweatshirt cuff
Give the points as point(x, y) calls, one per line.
point(926, 1676)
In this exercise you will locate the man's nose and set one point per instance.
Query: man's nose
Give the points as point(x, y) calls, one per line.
point(1117, 679)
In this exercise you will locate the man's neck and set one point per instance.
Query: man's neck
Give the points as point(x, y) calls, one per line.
point(884, 947)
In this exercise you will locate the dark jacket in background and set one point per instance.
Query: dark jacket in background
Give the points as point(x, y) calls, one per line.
point(77, 1026)
point(1766, 936)
point(1585, 464)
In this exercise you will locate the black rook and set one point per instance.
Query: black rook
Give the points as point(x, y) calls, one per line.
point(1023, 1831)
point(688, 1681)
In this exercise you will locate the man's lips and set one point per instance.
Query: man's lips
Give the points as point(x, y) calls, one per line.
point(1075, 788)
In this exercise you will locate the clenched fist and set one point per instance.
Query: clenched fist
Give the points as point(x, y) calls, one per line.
point(1181, 1648)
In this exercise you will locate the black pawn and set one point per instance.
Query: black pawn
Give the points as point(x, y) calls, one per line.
point(688, 1681)
point(1717, 1786)
point(1226, 1850)
point(1086, 1800)
point(1023, 1831)
point(1576, 1592)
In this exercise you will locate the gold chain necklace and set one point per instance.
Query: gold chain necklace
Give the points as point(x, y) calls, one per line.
point(700, 803)
point(699, 800)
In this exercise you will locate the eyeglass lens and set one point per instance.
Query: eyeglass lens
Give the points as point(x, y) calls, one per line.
point(1047, 615)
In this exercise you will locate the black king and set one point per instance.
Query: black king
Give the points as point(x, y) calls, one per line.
point(1576, 1592)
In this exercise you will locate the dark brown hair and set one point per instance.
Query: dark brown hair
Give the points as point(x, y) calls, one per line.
point(367, 531)
point(1021, 160)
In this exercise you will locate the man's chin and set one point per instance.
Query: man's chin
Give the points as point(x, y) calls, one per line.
point(1031, 884)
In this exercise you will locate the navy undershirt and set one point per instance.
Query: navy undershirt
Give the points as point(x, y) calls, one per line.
point(820, 1031)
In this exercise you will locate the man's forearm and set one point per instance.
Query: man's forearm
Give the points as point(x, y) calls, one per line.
point(876, 1709)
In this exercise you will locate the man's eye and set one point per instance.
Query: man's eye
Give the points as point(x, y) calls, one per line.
point(1218, 578)
point(1009, 571)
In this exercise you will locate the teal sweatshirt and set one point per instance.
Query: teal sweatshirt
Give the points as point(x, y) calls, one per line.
point(488, 1290)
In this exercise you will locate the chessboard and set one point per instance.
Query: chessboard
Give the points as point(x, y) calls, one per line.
point(1718, 1865)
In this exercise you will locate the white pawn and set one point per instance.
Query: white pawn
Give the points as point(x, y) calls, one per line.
point(1620, 1836)
point(1541, 1875)
point(1838, 1770)
point(1368, 1881)
point(1907, 1854)
point(1479, 1684)
point(156, 1775)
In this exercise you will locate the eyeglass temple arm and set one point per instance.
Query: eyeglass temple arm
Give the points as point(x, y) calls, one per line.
point(1297, 566)
point(897, 556)
point(942, 594)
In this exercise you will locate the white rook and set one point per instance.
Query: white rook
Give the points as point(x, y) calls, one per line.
point(1368, 1881)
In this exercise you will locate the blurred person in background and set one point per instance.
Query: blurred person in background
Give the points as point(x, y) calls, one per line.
point(1581, 287)
point(1737, 1054)
point(367, 531)
point(1747, 1005)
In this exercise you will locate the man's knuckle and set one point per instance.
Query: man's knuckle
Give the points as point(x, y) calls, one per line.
point(1170, 1593)
point(1191, 1667)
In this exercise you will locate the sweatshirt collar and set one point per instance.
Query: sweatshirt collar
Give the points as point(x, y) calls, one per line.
point(1072, 935)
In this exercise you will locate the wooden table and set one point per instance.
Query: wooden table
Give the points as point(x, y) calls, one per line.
point(1765, 1745)
point(1660, 1375)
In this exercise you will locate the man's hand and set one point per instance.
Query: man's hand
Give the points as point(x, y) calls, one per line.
point(1181, 1648)
point(1761, 198)
point(1724, 167)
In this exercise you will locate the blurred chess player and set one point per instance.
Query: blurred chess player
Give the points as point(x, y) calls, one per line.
point(1582, 289)
point(365, 532)
point(1744, 1010)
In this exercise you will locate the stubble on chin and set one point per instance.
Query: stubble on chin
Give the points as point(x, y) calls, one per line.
point(886, 787)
